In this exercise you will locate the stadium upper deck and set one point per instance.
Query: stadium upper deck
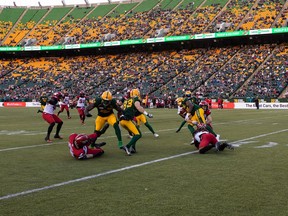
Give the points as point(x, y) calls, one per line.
point(144, 19)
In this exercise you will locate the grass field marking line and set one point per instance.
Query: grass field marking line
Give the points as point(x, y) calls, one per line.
point(24, 147)
point(259, 136)
point(93, 176)
point(122, 169)
point(56, 143)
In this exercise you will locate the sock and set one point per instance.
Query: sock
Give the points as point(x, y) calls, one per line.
point(192, 130)
point(134, 140)
point(149, 127)
point(118, 134)
point(58, 128)
point(210, 130)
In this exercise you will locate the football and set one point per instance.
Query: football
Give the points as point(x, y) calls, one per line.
point(183, 112)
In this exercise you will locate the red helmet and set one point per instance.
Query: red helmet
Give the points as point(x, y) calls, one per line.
point(81, 140)
point(203, 103)
point(57, 95)
point(201, 127)
point(82, 94)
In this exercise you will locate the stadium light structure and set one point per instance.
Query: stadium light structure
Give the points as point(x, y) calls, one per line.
point(14, 3)
point(87, 2)
point(63, 2)
point(39, 4)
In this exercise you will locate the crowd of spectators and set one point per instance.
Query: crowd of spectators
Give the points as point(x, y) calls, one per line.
point(237, 71)
point(243, 15)
point(270, 79)
point(240, 71)
point(263, 14)
point(233, 15)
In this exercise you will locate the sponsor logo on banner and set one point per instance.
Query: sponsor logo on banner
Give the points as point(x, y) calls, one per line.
point(261, 106)
point(33, 104)
point(14, 104)
point(226, 105)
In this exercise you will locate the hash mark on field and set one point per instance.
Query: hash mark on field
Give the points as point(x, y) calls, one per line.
point(122, 169)
point(269, 145)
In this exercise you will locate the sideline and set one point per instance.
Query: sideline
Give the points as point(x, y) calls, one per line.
point(123, 169)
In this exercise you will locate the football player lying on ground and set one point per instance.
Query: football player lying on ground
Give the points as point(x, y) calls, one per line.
point(83, 146)
point(204, 140)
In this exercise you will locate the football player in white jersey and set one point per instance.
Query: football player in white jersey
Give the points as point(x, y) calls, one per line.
point(64, 104)
point(52, 119)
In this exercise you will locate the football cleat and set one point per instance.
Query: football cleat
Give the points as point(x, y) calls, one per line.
point(132, 149)
point(192, 142)
point(217, 146)
point(126, 150)
point(229, 146)
point(58, 137)
point(225, 145)
point(48, 140)
point(156, 135)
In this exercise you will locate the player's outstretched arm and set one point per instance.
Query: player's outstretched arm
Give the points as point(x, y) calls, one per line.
point(89, 108)
point(142, 110)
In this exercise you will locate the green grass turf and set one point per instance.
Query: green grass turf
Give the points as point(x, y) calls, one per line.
point(247, 181)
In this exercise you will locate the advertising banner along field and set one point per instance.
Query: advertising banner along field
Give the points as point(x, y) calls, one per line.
point(226, 105)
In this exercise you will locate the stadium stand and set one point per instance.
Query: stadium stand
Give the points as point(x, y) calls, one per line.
point(8, 17)
point(230, 17)
point(26, 24)
point(145, 19)
point(270, 79)
point(232, 71)
point(262, 15)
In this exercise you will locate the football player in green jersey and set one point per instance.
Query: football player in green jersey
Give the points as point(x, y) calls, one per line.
point(195, 114)
point(43, 100)
point(105, 106)
point(130, 107)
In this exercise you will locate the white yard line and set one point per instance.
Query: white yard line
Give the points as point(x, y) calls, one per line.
point(123, 169)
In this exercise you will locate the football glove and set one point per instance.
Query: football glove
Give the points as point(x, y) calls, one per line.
point(122, 117)
point(149, 115)
point(88, 115)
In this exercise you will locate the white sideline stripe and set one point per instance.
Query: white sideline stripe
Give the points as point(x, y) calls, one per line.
point(259, 136)
point(122, 169)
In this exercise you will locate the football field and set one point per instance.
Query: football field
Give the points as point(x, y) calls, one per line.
point(166, 176)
